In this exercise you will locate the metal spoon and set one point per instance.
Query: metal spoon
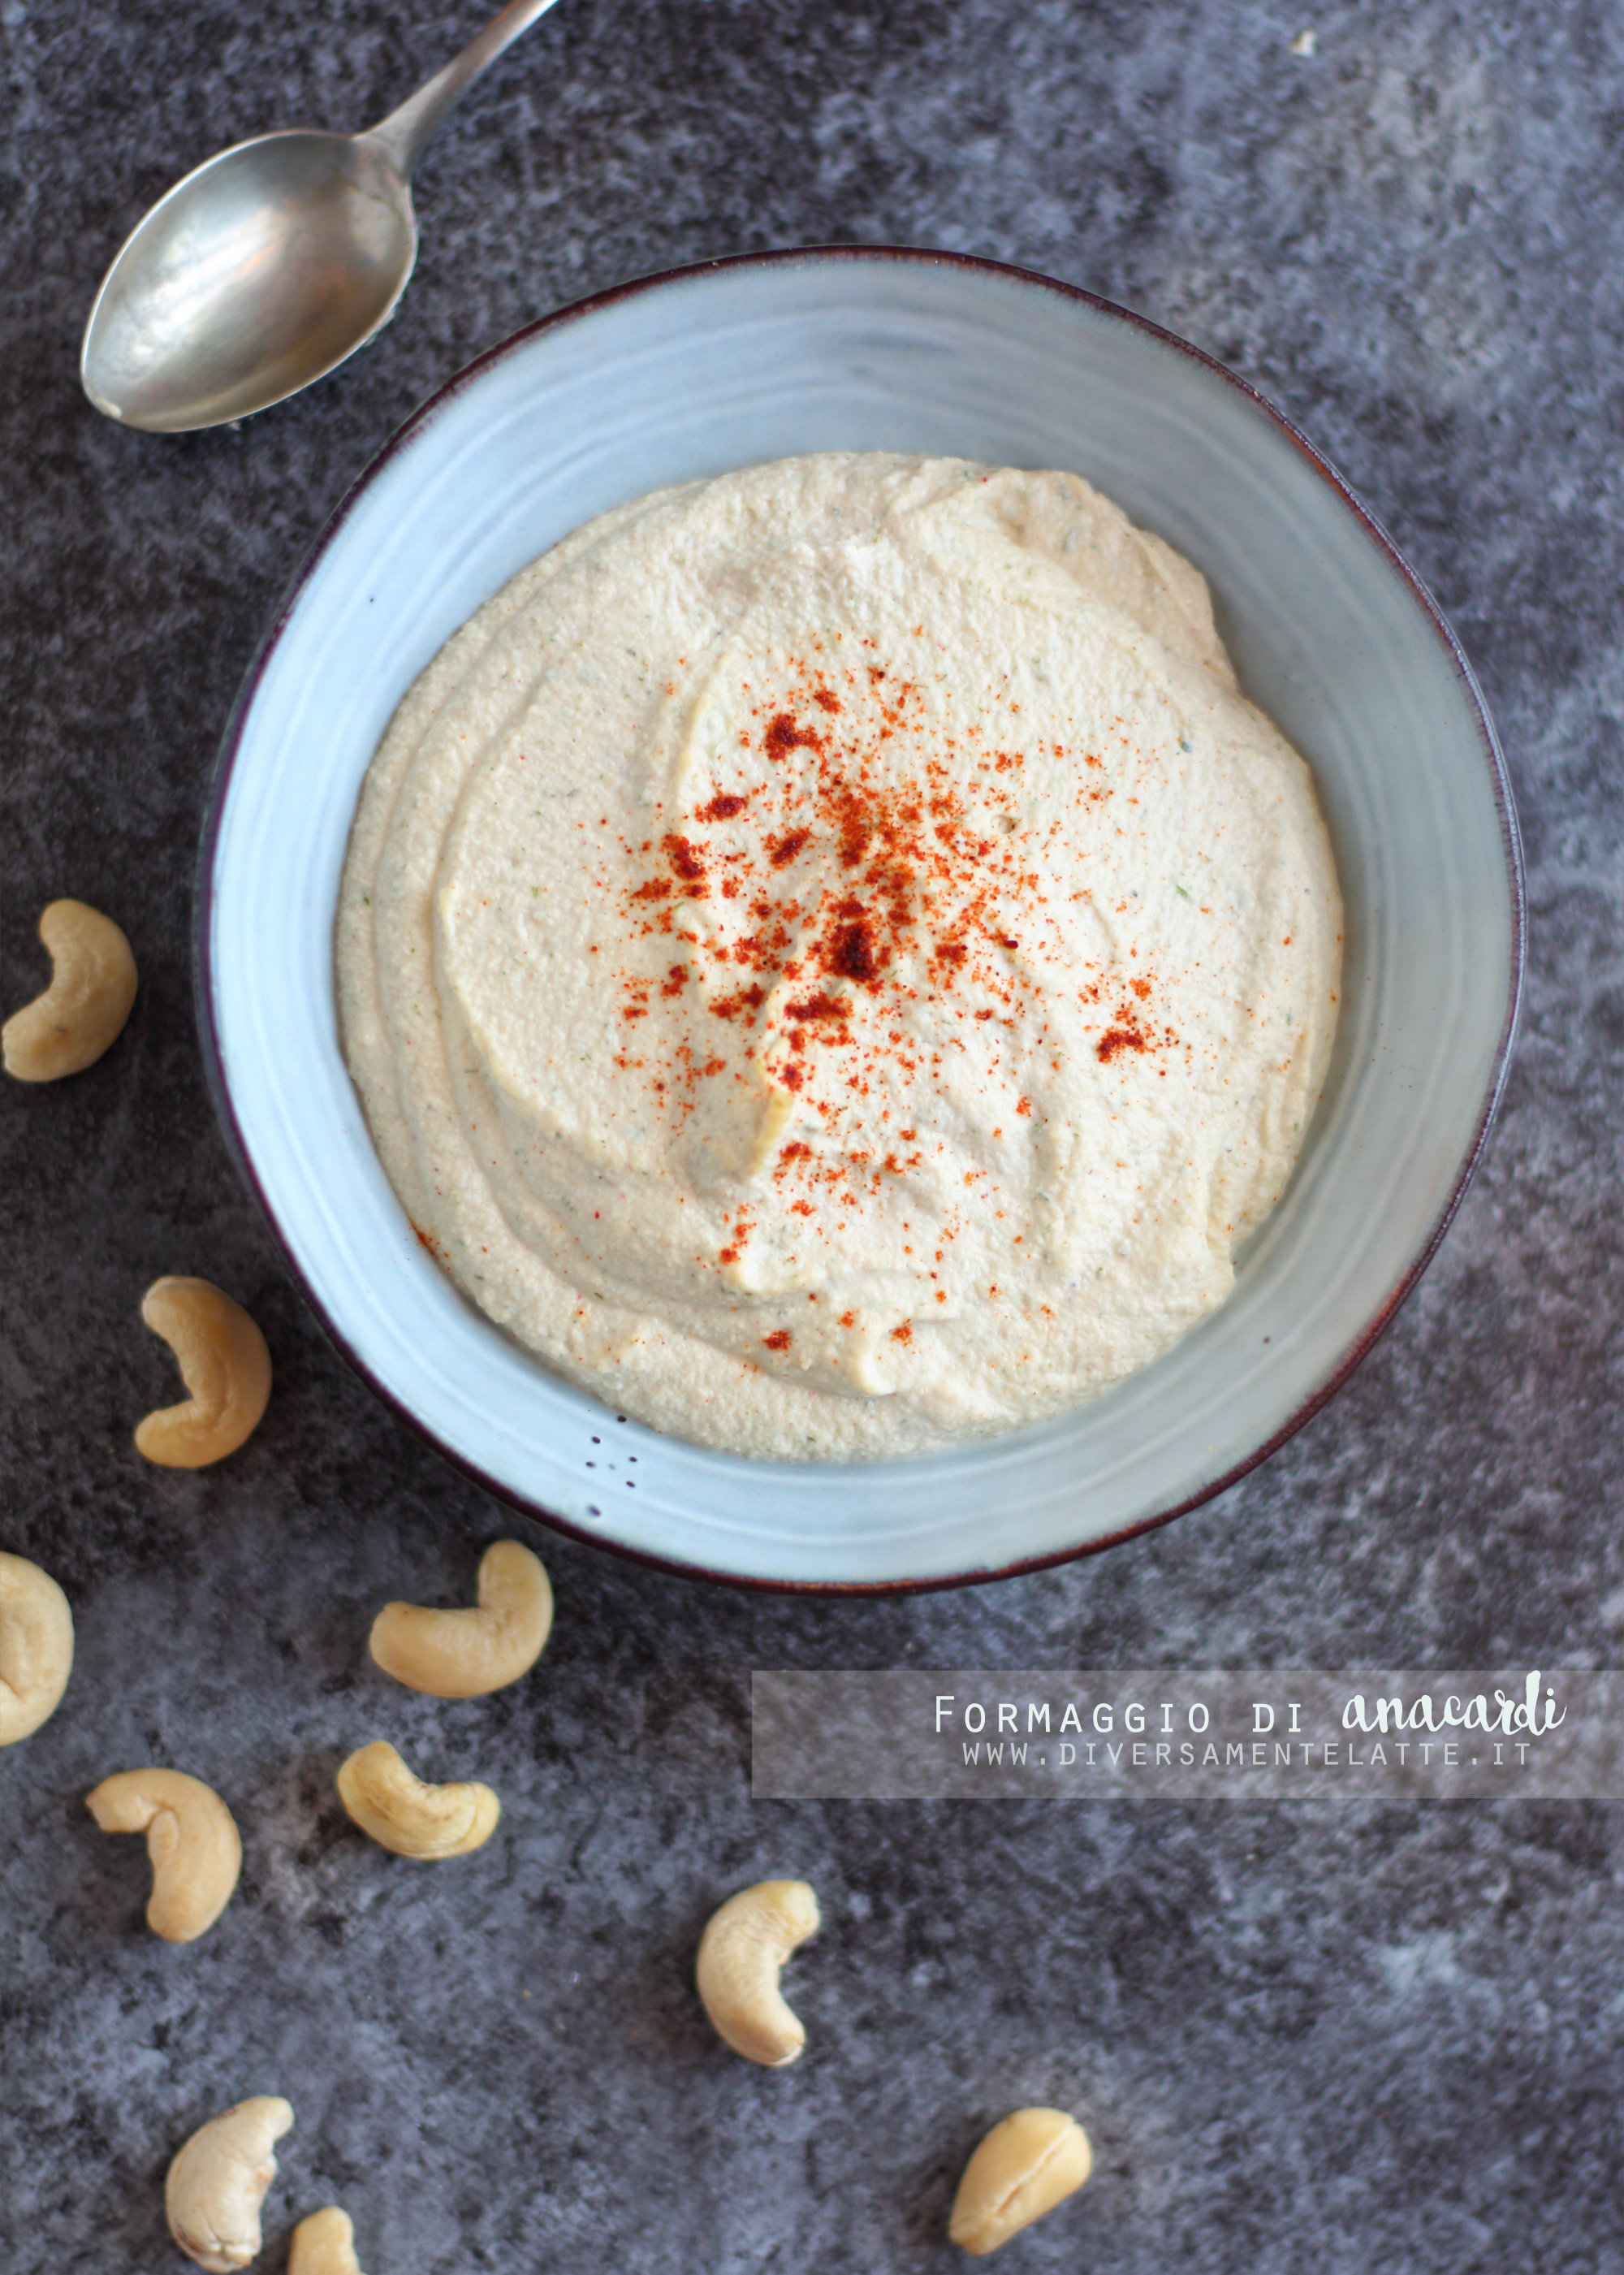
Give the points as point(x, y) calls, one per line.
point(267, 266)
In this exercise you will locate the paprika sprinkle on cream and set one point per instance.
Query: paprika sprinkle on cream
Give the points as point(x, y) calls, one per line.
point(831, 962)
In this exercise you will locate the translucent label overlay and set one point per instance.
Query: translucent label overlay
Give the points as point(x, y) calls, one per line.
point(1214, 1734)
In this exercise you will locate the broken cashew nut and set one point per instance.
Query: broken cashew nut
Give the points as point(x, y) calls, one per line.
point(36, 1648)
point(402, 1814)
point(324, 2244)
point(192, 1839)
point(741, 1952)
point(224, 1364)
point(1025, 2167)
point(218, 2181)
point(465, 1654)
point(81, 1014)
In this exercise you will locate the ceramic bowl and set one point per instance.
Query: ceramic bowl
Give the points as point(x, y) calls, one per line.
point(864, 349)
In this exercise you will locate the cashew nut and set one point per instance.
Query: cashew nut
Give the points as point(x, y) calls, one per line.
point(463, 1654)
point(401, 1813)
point(191, 1837)
point(742, 1949)
point(324, 2244)
point(81, 1014)
point(224, 1364)
point(1025, 2167)
point(36, 1648)
point(218, 2181)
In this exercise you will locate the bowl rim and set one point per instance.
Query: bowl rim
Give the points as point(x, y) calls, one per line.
point(427, 412)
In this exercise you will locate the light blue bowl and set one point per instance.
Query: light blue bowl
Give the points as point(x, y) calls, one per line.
point(1331, 633)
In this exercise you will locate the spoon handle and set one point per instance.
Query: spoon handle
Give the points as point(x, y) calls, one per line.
point(404, 131)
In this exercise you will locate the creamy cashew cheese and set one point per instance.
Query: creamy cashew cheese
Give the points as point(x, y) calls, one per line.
point(832, 962)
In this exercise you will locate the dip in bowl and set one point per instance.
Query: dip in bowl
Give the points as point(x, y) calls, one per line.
point(778, 358)
point(832, 962)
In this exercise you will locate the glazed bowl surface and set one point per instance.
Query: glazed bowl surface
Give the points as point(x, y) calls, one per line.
point(865, 349)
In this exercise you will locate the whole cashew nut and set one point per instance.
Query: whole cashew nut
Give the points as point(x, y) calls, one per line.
point(1025, 2167)
point(324, 2244)
point(36, 1648)
point(402, 1814)
point(81, 1014)
point(191, 1837)
point(465, 1654)
point(224, 1364)
point(741, 1952)
point(218, 2181)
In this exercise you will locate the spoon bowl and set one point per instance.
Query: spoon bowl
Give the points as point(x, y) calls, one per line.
point(259, 273)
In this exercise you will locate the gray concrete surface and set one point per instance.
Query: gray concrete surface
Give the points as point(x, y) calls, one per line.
point(1335, 2039)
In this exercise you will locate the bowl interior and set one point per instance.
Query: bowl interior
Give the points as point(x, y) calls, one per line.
point(761, 359)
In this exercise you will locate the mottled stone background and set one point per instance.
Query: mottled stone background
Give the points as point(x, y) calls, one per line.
point(1337, 2039)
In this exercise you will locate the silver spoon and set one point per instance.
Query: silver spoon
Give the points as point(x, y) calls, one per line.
point(267, 266)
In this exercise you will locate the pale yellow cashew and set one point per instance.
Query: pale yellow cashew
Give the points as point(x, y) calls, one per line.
point(218, 2181)
point(324, 2244)
point(463, 1654)
point(81, 1014)
point(1025, 2167)
point(36, 1648)
point(402, 1814)
point(224, 1364)
point(192, 1839)
point(741, 1952)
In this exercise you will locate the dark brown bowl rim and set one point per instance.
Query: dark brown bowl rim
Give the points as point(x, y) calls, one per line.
point(1499, 783)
